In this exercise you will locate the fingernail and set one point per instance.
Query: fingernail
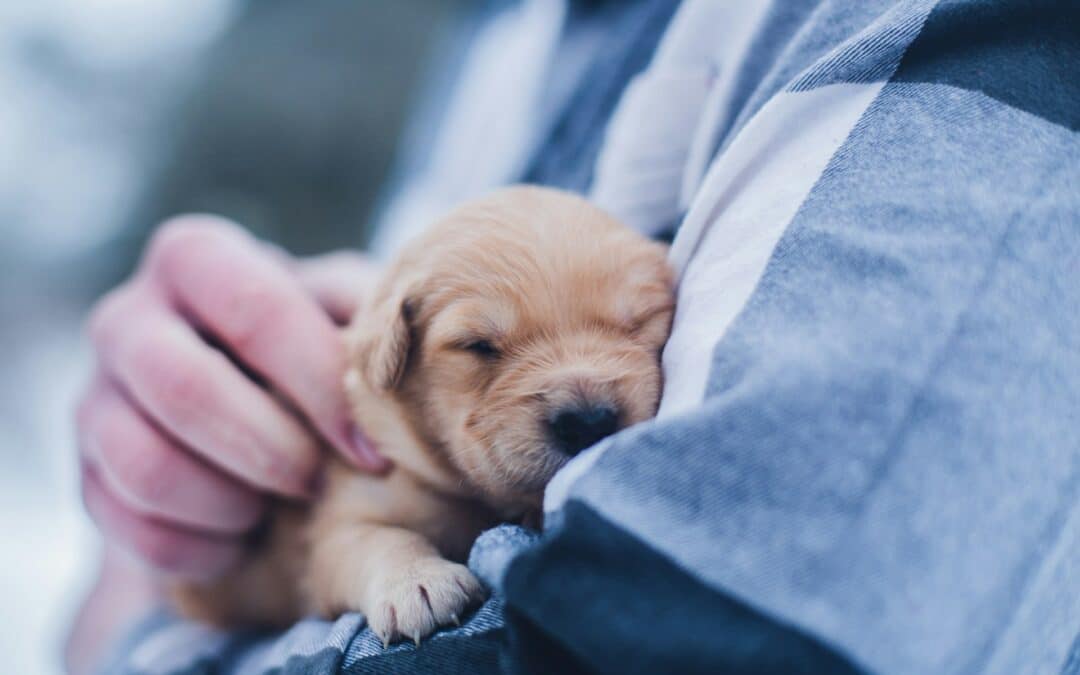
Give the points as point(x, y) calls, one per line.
point(364, 450)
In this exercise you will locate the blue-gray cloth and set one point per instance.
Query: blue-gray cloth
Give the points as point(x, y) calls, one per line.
point(884, 475)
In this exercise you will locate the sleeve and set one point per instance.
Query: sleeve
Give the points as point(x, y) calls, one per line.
point(868, 455)
point(164, 644)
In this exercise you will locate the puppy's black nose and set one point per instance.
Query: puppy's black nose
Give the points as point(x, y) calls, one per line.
point(576, 428)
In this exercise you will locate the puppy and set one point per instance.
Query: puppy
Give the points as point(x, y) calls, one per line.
point(517, 332)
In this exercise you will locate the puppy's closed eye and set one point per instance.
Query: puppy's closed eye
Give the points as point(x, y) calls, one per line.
point(483, 348)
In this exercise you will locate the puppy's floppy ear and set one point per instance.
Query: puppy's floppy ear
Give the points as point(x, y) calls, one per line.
point(381, 336)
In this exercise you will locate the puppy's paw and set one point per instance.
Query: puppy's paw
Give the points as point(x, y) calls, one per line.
point(411, 603)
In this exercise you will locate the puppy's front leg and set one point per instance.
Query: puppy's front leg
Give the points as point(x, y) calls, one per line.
point(394, 576)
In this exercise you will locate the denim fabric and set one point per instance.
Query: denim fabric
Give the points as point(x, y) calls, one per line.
point(494, 550)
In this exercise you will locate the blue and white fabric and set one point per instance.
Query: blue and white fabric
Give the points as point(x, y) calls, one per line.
point(867, 457)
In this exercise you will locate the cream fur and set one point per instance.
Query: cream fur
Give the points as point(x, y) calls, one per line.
point(512, 306)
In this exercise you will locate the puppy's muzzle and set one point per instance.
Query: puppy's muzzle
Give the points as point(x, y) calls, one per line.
point(580, 425)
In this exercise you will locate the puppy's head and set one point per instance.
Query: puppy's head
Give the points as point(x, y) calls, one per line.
point(518, 332)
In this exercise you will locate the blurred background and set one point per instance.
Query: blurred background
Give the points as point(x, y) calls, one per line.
point(115, 114)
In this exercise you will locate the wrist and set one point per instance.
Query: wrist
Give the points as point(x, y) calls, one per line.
point(122, 593)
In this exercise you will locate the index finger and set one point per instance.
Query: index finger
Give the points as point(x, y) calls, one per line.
point(252, 304)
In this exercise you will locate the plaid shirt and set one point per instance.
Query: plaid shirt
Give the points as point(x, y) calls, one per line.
point(868, 453)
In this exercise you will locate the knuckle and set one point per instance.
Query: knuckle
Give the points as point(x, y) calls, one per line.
point(254, 310)
point(169, 381)
point(178, 239)
point(144, 472)
point(181, 389)
point(109, 310)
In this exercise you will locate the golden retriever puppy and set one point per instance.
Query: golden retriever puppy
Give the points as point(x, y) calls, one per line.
point(517, 332)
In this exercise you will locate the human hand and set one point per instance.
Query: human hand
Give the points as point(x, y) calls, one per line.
point(218, 379)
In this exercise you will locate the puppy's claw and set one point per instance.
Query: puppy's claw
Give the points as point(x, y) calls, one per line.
point(416, 638)
point(455, 619)
point(386, 643)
